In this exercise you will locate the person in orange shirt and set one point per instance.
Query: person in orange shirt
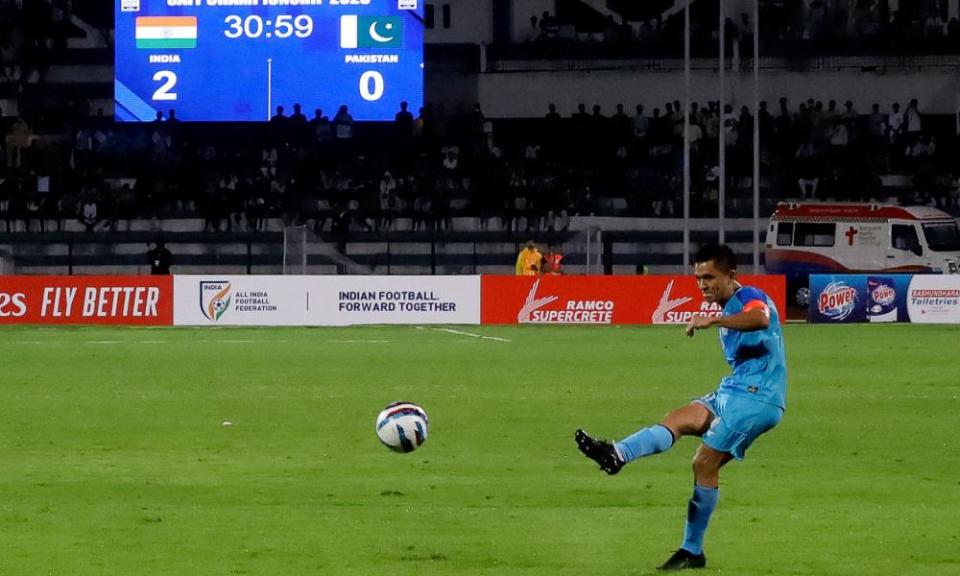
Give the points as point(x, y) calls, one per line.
point(528, 260)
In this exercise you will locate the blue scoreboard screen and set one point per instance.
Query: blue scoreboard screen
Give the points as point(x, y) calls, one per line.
point(237, 60)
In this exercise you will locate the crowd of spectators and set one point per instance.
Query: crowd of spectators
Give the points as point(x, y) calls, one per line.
point(789, 28)
point(535, 174)
point(429, 166)
point(861, 19)
point(32, 34)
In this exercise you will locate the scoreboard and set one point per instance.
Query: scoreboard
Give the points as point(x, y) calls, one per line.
point(237, 60)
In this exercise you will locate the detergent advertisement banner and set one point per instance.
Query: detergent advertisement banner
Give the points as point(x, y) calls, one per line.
point(846, 298)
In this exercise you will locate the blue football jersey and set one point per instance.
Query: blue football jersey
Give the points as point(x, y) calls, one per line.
point(757, 358)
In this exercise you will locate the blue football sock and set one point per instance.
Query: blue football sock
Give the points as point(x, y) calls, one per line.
point(698, 516)
point(651, 440)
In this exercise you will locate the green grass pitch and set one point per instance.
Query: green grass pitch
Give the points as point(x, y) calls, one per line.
point(114, 459)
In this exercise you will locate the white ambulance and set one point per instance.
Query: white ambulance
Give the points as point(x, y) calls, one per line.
point(831, 238)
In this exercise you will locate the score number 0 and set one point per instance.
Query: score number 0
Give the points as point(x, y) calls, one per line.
point(371, 86)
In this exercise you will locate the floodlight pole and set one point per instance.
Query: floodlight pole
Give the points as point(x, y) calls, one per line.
point(756, 137)
point(722, 136)
point(686, 135)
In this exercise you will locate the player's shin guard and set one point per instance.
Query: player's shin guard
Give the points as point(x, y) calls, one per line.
point(698, 516)
point(651, 440)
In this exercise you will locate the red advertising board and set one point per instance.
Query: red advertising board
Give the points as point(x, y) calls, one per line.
point(129, 300)
point(605, 299)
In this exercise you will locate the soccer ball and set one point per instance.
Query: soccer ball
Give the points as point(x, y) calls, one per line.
point(402, 426)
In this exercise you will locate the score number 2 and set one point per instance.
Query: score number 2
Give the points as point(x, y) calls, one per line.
point(169, 80)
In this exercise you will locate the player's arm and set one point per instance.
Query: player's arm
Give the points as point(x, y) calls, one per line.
point(755, 316)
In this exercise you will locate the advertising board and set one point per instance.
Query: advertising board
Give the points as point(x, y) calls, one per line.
point(923, 299)
point(326, 300)
point(130, 300)
point(605, 299)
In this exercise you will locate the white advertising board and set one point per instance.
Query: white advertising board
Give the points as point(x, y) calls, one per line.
point(239, 301)
point(325, 300)
point(346, 300)
point(934, 299)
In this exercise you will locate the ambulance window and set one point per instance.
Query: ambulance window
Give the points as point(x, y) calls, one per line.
point(784, 233)
point(814, 234)
point(904, 237)
point(942, 236)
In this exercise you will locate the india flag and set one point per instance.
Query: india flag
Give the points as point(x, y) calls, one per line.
point(155, 32)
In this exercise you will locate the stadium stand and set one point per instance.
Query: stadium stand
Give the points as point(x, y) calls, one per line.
point(791, 28)
point(91, 185)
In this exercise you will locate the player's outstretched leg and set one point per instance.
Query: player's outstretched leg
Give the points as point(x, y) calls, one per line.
point(646, 442)
point(612, 456)
point(600, 451)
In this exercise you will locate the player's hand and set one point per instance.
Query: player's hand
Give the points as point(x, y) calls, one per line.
point(699, 322)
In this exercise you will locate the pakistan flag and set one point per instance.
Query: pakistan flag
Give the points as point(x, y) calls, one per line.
point(371, 32)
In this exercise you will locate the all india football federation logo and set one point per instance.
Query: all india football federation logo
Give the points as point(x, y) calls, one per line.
point(214, 299)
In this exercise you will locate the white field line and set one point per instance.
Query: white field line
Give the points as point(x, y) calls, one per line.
point(112, 342)
point(119, 342)
point(115, 342)
point(470, 334)
point(286, 341)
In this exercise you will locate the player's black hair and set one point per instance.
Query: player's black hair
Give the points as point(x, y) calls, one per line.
point(721, 254)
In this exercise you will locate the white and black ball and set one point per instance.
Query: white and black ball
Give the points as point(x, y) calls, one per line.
point(402, 426)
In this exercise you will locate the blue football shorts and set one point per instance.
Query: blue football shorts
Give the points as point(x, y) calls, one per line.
point(737, 421)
